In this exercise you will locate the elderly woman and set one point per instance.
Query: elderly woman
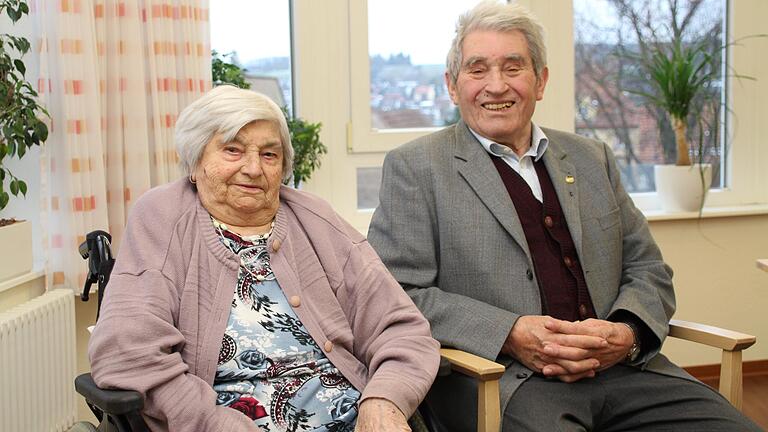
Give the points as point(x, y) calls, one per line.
point(238, 303)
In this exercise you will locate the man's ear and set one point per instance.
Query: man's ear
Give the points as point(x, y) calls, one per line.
point(541, 83)
point(451, 88)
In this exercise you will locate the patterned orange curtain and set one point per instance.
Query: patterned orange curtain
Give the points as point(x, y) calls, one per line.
point(114, 75)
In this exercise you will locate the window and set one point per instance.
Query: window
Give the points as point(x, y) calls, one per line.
point(609, 38)
point(331, 46)
point(256, 35)
point(398, 89)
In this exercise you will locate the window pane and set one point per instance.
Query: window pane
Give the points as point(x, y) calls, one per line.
point(258, 36)
point(407, 44)
point(611, 37)
point(368, 182)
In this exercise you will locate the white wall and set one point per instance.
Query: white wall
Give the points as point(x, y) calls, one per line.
point(716, 280)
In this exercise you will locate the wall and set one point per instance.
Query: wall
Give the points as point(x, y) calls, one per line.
point(717, 281)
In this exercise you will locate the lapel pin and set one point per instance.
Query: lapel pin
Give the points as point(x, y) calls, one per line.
point(569, 179)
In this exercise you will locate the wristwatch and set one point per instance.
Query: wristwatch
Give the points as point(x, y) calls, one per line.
point(634, 350)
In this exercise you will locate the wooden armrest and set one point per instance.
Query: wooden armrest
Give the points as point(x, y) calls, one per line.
point(472, 365)
point(488, 374)
point(731, 342)
point(709, 335)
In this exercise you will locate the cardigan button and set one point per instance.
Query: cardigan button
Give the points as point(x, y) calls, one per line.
point(522, 375)
point(568, 261)
point(529, 274)
point(583, 312)
point(548, 221)
point(295, 301)
point(328, 346)
point(275, 245)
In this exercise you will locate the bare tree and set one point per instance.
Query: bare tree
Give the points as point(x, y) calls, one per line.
point(608, 55)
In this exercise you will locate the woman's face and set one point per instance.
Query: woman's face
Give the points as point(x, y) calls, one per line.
point(239, 181)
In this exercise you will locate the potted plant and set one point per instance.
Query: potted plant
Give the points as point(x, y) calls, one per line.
point(305, 136)
point(685, 78)
point(20, 129)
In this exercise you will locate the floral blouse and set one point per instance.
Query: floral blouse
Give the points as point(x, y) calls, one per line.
point(269, 366)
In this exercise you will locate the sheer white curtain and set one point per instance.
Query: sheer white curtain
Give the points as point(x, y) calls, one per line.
point(114, 76)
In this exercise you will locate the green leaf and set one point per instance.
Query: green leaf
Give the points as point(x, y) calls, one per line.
point(14, 187)
point(24, 45)
point(40, 130)
point(22, 187)
point(13, 14)
point(4, 197)
point(20, 66)
point(24, 8)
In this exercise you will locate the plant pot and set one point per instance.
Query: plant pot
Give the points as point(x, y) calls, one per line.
point(682, 188)
point(16, 250)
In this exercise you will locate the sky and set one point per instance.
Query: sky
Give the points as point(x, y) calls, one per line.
point(253, 28)
point(422, 29)
point(258, 29)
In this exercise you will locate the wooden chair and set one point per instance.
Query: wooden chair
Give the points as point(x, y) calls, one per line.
point(488, 373)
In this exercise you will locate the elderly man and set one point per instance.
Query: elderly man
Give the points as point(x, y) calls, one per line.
point(519, 244)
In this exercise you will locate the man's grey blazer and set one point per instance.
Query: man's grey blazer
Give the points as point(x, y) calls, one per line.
point(448, 231)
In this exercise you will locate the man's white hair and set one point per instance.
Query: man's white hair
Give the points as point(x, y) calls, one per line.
point(500, 17)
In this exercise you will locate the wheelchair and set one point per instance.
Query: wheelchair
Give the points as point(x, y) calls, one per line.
point(120, 410)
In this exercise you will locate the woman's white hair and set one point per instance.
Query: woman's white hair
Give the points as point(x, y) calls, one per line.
point(500, 17)
point(224, 110)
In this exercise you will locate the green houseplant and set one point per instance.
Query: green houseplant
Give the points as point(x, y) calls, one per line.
point(20, 123)
point(305, 136)
point(685, 80)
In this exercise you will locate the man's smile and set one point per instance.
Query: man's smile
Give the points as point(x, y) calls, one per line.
point(498, 106)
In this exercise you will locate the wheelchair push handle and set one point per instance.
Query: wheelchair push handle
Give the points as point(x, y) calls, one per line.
point(97, 250)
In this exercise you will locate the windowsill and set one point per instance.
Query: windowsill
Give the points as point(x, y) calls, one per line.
point(709, 212)
point(19, 280)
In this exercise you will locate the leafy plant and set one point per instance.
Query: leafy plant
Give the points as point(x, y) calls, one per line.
point(307, 147)
point(226, 72)
point(19, 112)
point(305, 136)
point(685, 78)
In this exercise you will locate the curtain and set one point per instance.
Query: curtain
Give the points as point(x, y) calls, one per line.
point(114, 76)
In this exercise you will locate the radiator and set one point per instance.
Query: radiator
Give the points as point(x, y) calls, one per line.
point(37, 364)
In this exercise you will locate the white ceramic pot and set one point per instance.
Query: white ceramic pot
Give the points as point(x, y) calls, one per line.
point(682, 188)
point(15, 250)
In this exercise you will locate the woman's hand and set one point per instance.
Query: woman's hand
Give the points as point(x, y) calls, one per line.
point(380, 415)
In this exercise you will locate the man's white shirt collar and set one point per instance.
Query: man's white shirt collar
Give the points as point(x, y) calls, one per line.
point(539, 144)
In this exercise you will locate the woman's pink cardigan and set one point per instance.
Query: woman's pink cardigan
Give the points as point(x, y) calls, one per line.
point(169, 298)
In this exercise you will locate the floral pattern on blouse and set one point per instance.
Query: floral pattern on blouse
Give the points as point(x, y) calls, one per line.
point(270, 368)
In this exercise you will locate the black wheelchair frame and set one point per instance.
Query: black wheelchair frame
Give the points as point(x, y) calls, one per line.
point(116, 410)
